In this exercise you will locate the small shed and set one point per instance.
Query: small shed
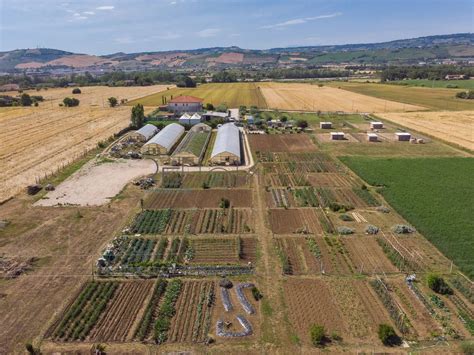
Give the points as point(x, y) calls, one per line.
point(325, 125)
point(201, 127)
point(211, 115)
point(372, 137)
point(376, 125)
point(145, 133)
point(403, 136)
point(187, 119)
point(337, 136)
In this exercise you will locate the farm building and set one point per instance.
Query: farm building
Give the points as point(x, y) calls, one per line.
point(337, 136)
point(403, 136)
point(182, 104)
point(164, 140)
point(376, 125)
point(210, 115)
point(226, 149)
point(372, 137)
point(186, 118)
point(145, 133)
point(325, 125)
point(191, 149)
point(234, 114)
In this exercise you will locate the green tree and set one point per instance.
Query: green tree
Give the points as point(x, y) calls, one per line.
point(209, 107)
point(302, 124)
point(138, 116)
point(438, 285)
point(317, 333)
point(221, 108)
point(70, 102)
point(25, 100)
point(112, 101)
point(387, 335)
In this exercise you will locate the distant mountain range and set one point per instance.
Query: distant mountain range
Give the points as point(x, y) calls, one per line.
point(406, 51)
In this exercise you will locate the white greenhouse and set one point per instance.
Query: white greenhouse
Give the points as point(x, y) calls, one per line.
point(226, 149)
point(164, 141)
point(145, 133)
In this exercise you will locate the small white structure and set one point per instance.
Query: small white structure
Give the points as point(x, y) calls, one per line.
point(372, 137)
point(403, 136)
point(145, 133)
point(187, 119)
point(234, 114)
point(337, 136)
point(376, 125)
point(210, 115)
point(325, 125)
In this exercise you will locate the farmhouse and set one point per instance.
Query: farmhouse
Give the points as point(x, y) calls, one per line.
point(226, 149)
point(376, 125)
point(337, 136)
point(186, 118)
point(325, 125)
point(372, 137)
point(182, 104)
point(145, 133)
point(403, 136)
point(164, 140)
point(191, 149)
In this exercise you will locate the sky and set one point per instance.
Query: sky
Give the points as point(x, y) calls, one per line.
point(110, 26)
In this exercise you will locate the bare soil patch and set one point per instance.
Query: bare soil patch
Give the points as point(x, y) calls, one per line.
point(329, 180)
point(288, 221)
point(167, 198)
point(96, 183)
point(281, 143)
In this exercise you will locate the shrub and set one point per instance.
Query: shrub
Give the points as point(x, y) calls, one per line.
point(383, 209)
point(317, 333)
point(225, 203)
point(76, 91)
point(371, 229)
point(387, 335)
point(438, 285)
point(256, 294)
point(25, 100)
point(112, 101)
point(346, 217)
point(403, 229)
point(70, 102)
point(345, 230)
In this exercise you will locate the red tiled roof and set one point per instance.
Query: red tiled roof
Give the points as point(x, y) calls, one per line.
point(186, 99)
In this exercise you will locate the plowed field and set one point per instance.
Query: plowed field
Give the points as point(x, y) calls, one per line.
point(288, 221)
point(121, 312)
point(281, 143)
point(168, 198)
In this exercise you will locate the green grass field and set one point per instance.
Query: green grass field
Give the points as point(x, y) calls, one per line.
point(434, 194)
point(449, 84)
point(232, 94)
point(432, 98)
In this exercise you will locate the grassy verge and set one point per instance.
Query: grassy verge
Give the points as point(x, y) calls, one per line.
point(433, 194)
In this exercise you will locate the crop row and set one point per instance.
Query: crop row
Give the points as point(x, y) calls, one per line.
point(85, 311)
point(145, 324)
point(397, 259)
point(398, 316)
point(306, 197)
point(167, 311)
point(151, 221)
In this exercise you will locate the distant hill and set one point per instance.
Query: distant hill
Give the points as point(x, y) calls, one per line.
point(406, 51)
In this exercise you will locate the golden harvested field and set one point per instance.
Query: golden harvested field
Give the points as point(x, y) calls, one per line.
point(307, 97)
point(95, 95)
point(38, 140)
point(452, 126)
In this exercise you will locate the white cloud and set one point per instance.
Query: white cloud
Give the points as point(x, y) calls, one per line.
point(208, 32)
point(168, 36)
point(107, 7)
point(299, 21)
point(89, 13)
point(123, 40)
